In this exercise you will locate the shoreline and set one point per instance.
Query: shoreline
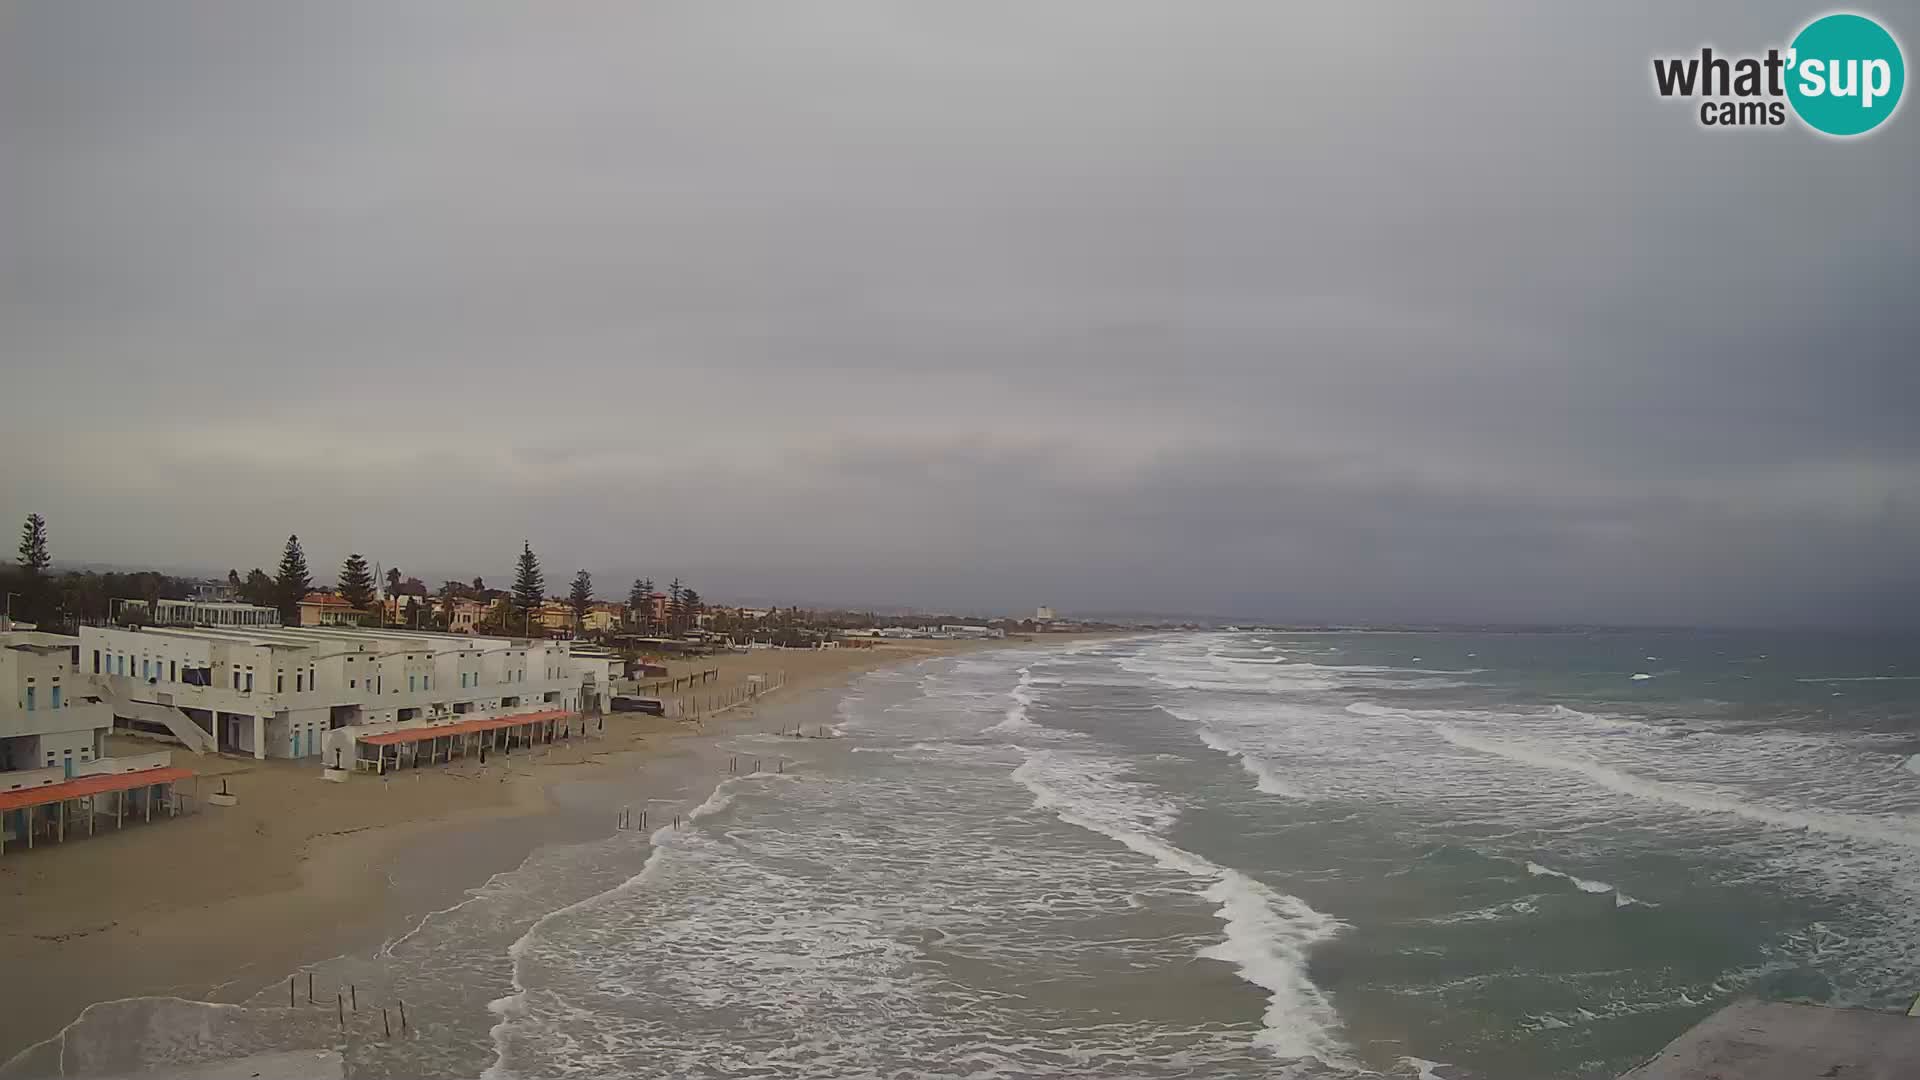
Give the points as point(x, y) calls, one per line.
point(221, 905)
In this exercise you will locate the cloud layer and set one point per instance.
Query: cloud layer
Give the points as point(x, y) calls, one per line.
point(1366, 314)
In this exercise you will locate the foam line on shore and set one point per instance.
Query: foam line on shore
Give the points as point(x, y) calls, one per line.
point(1267, 933)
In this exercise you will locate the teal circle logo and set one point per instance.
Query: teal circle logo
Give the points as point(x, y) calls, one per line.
point(1846, 74)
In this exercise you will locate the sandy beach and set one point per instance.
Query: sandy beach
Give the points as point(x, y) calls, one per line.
point(216, 905)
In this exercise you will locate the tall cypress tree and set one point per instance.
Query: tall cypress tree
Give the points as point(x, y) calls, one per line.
point(529, 585)
point(293, 583)
point(581, 597)
point(34, 561)
point(356, 582)
point(674, 611)
point(640, 604)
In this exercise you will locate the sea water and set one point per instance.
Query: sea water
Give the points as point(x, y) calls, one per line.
point(1246, 854)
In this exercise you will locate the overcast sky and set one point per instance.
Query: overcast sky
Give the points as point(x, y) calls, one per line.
point(1334, 311)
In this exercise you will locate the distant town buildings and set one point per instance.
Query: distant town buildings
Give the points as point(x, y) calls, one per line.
point(1043, 614)
point(329, 609)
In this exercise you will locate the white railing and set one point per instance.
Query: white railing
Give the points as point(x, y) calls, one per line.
point(19, 779)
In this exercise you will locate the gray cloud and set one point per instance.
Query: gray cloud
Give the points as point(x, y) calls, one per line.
point(1357, 313)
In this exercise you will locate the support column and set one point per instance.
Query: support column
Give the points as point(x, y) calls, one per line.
point(259, 739)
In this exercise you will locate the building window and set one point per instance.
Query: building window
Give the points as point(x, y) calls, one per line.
point(426, 682)
point(96, 661)
point(409, 684)
point(353, 684)
point(56, 697)
point(30, 693)
point(299, 681)
point(279, 682)
point(236, 680)
point(173, 671)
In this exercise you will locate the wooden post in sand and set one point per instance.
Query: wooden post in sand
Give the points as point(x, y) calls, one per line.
point(310, 1000)
point(353, 993)
point(403, 1018)
point(289, 991)
point(340, 1009)
point(386, 1021)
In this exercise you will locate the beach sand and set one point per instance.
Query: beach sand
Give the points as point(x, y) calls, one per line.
point(219, 904)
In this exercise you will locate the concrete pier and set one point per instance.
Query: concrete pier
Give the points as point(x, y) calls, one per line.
point(1758, 1040)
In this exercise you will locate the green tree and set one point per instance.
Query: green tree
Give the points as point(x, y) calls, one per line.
point(34, 561)
point(393, 580)
point(258, 588)
point(356, 582)
point(581, 597)
point(675, 594)
point(690, 607)
point(499, 620)
point(293, 582)
point(640, 604)
point(529, 585)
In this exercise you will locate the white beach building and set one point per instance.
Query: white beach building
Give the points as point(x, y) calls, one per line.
point(55, 774)
point(49, 717)
point(278, 691)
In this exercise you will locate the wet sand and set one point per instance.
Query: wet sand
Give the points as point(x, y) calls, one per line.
point(217, 905)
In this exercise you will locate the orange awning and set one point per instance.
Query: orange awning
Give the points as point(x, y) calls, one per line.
point(464, 727)
point(81, 787)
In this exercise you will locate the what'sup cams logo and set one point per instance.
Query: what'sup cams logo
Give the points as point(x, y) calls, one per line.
point(1841, 75)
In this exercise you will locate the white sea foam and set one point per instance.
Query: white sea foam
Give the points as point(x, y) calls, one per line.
point(1268, 933)
point(513, 1005)
point(1904, 832)
point(1641, 676)
point(1015, 718)
point(1620, 899)
point(1426, 1069)
point(1266, 779)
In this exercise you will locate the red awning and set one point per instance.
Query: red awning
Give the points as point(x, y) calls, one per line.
point(464, 727)
point(81, 787)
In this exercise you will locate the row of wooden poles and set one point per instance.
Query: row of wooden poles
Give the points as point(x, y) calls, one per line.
point(700, 678)
point(342, 1001)
point(717, 702)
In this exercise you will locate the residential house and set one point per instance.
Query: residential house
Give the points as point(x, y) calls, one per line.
point(329, 609)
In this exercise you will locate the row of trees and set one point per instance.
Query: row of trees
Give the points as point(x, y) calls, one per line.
point(35, 594)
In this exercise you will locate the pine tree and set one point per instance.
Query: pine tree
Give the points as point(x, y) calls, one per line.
point(690, 606)
point(393, 580)
point(675, 594)
point(34, 561)
point(294, 582)
point(581, 597)
point(529, 585)
point(479, 588)
point(640, 605)
point(356, 582)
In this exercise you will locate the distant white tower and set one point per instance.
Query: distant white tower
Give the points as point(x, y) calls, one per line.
point(1043, 613)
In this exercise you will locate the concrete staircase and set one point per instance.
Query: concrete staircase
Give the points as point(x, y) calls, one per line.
point(179, 724)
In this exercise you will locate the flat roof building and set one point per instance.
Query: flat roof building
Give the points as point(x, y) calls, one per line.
point(280, 691)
